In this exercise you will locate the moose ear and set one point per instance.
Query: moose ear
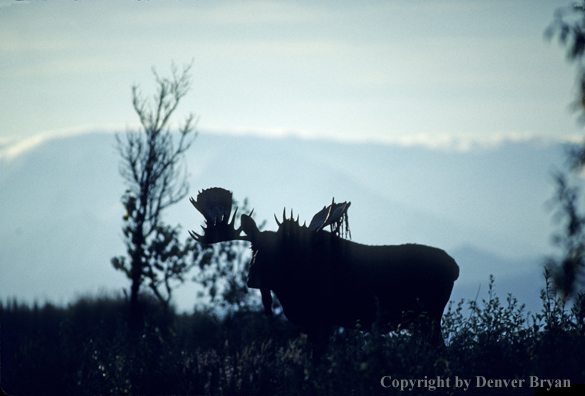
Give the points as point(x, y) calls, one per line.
point(249, 226)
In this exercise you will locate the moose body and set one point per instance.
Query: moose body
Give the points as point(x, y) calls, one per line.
point(324, 280)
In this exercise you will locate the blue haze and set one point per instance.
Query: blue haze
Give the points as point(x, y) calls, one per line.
point(60, 210)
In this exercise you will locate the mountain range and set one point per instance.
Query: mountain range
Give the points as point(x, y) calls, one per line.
point(61, 215)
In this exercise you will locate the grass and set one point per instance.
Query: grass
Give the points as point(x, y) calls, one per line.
point(88, 349)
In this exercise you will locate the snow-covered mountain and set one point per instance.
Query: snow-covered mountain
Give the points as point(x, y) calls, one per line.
point(60, 210)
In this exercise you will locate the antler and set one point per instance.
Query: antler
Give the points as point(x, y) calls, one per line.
point(215, 204)
point(291, 218)
point(333, 215)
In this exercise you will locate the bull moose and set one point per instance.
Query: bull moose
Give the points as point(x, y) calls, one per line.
point(323, 279)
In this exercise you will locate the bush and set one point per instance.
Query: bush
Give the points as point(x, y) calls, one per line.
point(88, 349)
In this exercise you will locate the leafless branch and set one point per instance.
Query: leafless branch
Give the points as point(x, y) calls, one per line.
point(153, 168)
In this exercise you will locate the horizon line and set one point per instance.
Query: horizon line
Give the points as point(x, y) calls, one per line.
point(13, 147)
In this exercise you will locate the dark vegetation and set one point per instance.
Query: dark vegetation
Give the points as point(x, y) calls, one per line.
point(88, 349)
point(568, 268)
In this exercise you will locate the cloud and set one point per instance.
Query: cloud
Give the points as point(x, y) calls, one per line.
point(11, 151)
point(249, 13)
point(464, 143)
point(470, 142)
point(432, 141)
point(13, 148)
point(8, 3)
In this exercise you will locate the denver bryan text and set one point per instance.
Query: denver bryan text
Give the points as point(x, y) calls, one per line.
point(533, 382)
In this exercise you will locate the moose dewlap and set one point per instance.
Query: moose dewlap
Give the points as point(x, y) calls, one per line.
point(324, 280)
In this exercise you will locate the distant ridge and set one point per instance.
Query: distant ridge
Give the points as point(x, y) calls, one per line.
point(60, 208)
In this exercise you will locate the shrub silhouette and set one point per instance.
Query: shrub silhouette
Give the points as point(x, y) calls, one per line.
point(85, 349)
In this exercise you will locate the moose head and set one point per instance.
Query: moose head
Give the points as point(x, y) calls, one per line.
point(323, 279)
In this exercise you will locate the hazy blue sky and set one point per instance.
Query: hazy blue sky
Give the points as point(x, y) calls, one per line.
point(441, 72)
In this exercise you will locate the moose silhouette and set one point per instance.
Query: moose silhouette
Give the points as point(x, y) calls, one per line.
point(322, 279)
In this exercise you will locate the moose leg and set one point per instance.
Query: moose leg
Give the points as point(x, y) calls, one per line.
point(266, 301)
point(319, 337)
point(436, 334)
point(431, 329)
